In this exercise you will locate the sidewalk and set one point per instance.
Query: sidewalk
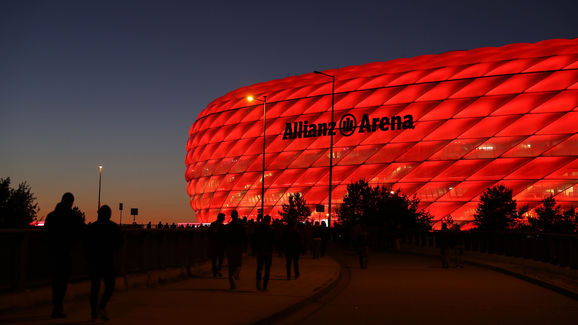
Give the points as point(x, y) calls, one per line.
point(203, 299)
point(563, 280)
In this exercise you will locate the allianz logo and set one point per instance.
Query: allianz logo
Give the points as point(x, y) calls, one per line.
point(347, 126)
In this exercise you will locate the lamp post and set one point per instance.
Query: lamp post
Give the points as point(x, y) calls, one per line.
point(331, 143)
point(99, 183)
point(264, 101)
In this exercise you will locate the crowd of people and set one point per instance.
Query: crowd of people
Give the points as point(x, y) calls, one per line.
point(262, 238)
point(239, 237)
point(235, 239)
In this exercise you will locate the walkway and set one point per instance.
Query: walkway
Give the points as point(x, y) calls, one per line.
point(395, 289)
point(202, 300)
point(409, 289)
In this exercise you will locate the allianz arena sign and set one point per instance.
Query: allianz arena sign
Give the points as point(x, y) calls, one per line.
point(441, 127)
point(347, 126)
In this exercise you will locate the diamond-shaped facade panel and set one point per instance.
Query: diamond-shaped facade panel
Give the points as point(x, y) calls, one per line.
point(443, 127)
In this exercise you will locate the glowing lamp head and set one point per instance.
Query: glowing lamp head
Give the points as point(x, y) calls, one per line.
point(250, 98)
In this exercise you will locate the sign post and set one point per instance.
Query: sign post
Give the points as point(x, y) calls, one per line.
point(134, 213)
point(120, 206)
point(319, 208)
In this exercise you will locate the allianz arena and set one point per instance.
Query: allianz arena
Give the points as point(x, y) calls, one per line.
point(441, 127)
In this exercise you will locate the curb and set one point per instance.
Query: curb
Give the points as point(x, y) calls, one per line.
point(543, 284)
point(547, 285)
point(276, 317)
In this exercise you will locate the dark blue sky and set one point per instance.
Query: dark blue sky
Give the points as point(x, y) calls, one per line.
point(119, 83)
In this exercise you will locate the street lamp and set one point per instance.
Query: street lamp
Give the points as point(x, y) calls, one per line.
point(264, 101)
point(99, 183)
point(331, 143)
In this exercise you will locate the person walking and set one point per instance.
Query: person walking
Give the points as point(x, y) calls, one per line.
point(235, 244)
point(316, 241)
point(63, 228)
point(363, 246)
point(216, 244)
point(459, 245)
point(102, 238)
point(444, 243)
point(263, 241)
point(292, 247)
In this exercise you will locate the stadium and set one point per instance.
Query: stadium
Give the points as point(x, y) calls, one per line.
point(442, 127)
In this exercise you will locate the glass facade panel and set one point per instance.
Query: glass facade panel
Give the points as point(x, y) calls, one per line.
point(493, 147)
point(461, 169)
point(499, 168)
point(456, 149)
point(452, 129)
point(535, 145)
point(409, 94)
point(566, 148)
point(484, 106)
point(564, 125)
point(539, 167)
point(563, 101)
point(568, 171)
point(529, 124)
point(517, 83)
point(433, 190)
point(447, 109)
point(556, 81)
point(422, 150)
point(426, 171)
point(541, 189)
point(523, 103)
point(568, 195)
point(489, 126)
point(465, 191)
point(389, 152)
point(393, 172)
point(479, 87)
point(359, 155)
point(408, 188)
point(443, 209)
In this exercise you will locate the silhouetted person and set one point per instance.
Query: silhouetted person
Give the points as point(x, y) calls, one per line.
point(459, 245)
point(316, 242)
point(235, 244)
point(324, 237)
point(217, 244)
point(363, 246)
point(292, 247)
point(149, 225)
point(102, 240)
point(279, 229)
point(443, 242)
point(263, 241)
point(63, 228)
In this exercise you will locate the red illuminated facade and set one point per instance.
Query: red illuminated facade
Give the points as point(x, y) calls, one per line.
point(443, 127)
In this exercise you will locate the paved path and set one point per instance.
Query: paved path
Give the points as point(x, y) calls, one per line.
point(406, 289)
point(202, 300)
point(396, 289)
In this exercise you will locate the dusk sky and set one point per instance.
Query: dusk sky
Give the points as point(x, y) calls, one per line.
point(119, 83)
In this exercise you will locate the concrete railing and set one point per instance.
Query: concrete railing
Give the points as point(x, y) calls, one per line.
point(555, 249)
point(25, 260)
